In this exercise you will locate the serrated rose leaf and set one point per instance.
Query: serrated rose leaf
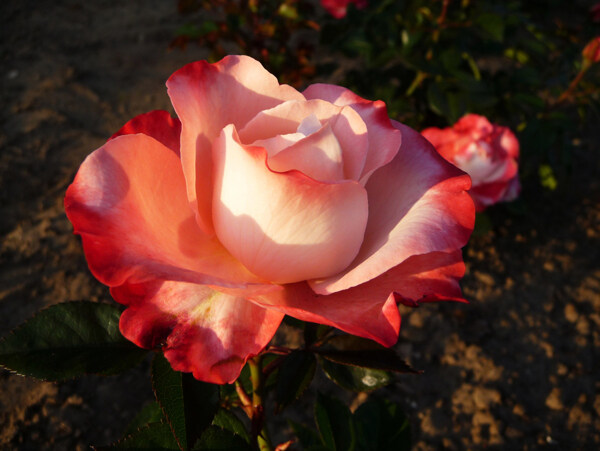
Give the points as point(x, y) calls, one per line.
point(69, 340)
point(189, 405)
point(355, 378)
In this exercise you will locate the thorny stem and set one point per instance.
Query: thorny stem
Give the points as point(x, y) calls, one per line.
point(565, 95)
point(323, 339)
point(268, 369)
point(244, 398)
point(277, 350)
point(442, 17)
point(259, 429)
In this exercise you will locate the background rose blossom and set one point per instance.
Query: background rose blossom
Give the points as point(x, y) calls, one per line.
point(338, 8)
point(487, 152)
point(261, 201)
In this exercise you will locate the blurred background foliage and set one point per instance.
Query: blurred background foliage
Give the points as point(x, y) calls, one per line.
point(430, 61)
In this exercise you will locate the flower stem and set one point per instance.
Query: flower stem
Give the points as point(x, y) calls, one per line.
point(565, 95)
point(259, 429)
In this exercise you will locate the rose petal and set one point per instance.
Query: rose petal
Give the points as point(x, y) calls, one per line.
point(347, 125)
point(417, 204)
point(446, 142)
point(128, 204)
point(474, 125)
point(157, 124)
point(478, 160)
point(384, 139)
point(319, 156)
point(202, 331)
point(284, 227)
point(429, 277)
point(207, 97)
point(369, 310)
point(509, 142)
point(276, 144)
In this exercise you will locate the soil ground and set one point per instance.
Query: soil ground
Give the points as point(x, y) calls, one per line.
point(517, 368)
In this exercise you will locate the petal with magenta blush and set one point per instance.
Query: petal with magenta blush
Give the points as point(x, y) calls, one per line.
point(428, 278)
point(284, 227)
point(128, 203)
point(417, 204)
point(157, 124)
point(346, 124)
point(384, 139)
point(369, 310)
point(207, 97)
point(202, 331)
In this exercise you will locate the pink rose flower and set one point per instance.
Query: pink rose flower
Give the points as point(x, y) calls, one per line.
point(261, 201)
point(338, 8)
point(488, 153)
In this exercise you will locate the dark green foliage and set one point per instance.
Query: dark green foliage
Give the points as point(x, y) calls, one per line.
point(150, 413)
point(381, 425)
point(152, 437)
point(69, 340)
point(228, 420)
point(295, 374)
point(335, 425)
point(361, 352)
point(217, 439)
point(355, 378)
point(189, 405)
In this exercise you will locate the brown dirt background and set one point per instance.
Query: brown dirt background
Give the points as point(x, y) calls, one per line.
point(515, 369)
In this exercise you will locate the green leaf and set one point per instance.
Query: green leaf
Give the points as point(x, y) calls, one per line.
point(492, 24)
point(361, 352)
point(295, 374)
point(288, 11)
point(69, 340)
point(381, 425)
point(155, 436)
point(194, 32)
point(335, 425)
point(150, 413)
point(189, 405)
point(355, 378)
point(307, 437)
point(228, 420)
point(217, 439)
